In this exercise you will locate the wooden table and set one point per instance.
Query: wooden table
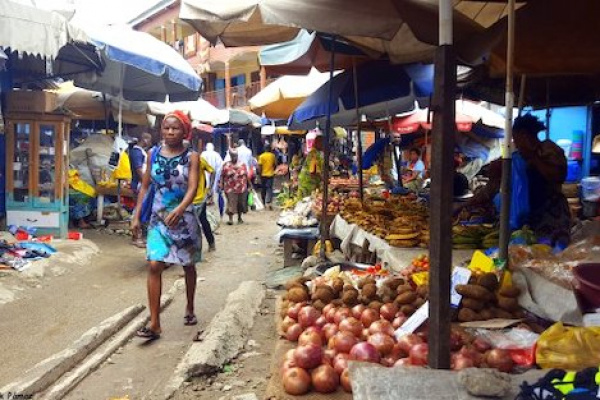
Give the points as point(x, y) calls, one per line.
point(109, 191)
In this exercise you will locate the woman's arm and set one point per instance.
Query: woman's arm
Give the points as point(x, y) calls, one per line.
point(135, 222)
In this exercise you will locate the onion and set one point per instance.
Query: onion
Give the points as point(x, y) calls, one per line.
point(294, 310)
point(406, 342)
point(418, 354)
point(296, 381)
point(388, 311)
point(455, 341)
point(499, 359)
point(328, 356)
point(368, 317)
point(308, 356)
point(287, 365)
point(325, 379)
point(365, 334)
point(461, 361)
point(364, 351)
point(382, 342)
point(329, 330)
point(340, 362)
point(341, 314)
point(327, 308)
point(398, 322)
point(388, 361)
point(423, 335)
point(310, 337)
point(293, 332)
point(473, 354)
point(307, 316)
point(397, 352)
point(351, 325)
point(289, 355)
point(382, 326)
point(481, 345)
point(330, 315)
point(403, 362)
point(343, 342)
point(286, 323)
point(345, 381)
point(358, 310)
point(321, 321)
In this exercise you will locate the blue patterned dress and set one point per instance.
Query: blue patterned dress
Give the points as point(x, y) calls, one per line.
point(177, 245)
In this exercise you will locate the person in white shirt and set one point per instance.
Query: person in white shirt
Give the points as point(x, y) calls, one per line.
point(216, 162)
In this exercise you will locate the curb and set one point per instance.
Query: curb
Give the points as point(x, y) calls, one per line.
point(45, 373)
point(72, 378)
point(226, 336)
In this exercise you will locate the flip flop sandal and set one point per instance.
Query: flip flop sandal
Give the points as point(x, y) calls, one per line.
point(147, 333)
point(190, 320)
point(199, 336)
point(229, 223)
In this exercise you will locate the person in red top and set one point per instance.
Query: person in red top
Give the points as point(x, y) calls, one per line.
point(234, 182)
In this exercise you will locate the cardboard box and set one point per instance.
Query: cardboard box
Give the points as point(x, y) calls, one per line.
point(31, 101)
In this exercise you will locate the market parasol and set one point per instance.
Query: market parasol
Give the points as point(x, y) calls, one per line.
point(198, 110)
point(279, 99)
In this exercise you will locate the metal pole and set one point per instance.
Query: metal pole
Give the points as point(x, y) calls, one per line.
point(324, 225)
point(359, 149)
point(505, 188)
point(440, 249)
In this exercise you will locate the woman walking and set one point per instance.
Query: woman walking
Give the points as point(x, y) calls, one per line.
point(234, 182)
point(173, 230)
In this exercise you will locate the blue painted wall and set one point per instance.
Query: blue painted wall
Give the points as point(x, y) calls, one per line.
point(563, 121)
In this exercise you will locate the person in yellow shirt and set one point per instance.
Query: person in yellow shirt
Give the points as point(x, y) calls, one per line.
point(203, 195)
point(266, 165)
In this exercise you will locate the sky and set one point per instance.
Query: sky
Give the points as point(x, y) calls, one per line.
point(96, 12)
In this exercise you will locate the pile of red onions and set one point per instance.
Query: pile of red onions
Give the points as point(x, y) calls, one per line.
point(328, 340)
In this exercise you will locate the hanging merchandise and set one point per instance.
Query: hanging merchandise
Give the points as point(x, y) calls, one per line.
point(123, 170)
point(519, 209)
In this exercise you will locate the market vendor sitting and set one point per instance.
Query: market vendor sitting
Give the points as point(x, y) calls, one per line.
point(546, 168)
point(412, 177)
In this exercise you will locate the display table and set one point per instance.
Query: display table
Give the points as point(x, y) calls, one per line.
point(109, 191)
point(395, 257)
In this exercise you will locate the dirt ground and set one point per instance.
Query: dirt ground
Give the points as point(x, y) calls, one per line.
point(249, 372)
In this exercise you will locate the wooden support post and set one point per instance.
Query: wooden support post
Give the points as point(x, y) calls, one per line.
point(227, 85)
point(263, 78)
point(163, 34)
point(441, 206)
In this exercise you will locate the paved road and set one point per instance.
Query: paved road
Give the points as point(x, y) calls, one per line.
point(244, 252)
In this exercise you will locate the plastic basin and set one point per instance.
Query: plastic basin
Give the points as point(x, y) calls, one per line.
point(588, 279)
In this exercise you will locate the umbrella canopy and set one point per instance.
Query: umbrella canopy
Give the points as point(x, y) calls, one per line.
point(384, 90)
point(239, 117)
point(307, 51)
point(468, 116)
point(30, 37)
point(279, 99)
point(89, 105)
point(406, 30)
point(140, 67)
point(198, 110)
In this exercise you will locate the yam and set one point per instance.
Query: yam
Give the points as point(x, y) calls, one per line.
point(476, 292)
point(323, 293)
point(366, 281)
point(406, 298)
point(476, 305)
point(338, 286)
point(404, 288)
point(489, 281)
point(510, 291)
point(375, 305)
point(393, 283)
point(319, 305)
point(423, 291)
point(337, 302)
point(508, 303)
point(408, 309)
point(369, 291)
point(486, 314)
point(298, 294)
point(418, 303)
point(350, 297)
point(467, 315)
point(500, 313)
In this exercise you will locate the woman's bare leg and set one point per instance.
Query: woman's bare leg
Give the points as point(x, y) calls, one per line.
point(155, 270)
point(190, 287)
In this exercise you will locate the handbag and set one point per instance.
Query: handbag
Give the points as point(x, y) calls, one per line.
point(146, 211)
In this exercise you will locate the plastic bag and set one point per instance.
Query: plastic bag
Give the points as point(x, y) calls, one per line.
point(519, 196)
point(258, 204)
point(570, 348)
point(520, 343)
point(123, 170)
point(79, 184)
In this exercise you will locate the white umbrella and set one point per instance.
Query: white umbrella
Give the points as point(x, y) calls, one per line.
point(280, 98)
point(233, 116)
point(198, 110)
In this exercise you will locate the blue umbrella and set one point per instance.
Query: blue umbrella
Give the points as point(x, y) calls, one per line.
point(383, 90)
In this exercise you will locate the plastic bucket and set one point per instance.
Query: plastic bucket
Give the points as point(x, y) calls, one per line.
point(573, 171)
point(565, 144)
point(590, 188)
point(588, 279)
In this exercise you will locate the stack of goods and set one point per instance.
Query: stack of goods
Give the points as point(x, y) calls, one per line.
point(299, 217)
point(401, 221)
point(474, 236)
point(344, 183)
point(344, 316)
point(571, 192)
point(334, 204)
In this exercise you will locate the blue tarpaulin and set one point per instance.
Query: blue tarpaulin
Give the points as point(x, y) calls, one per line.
point(383, 90)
